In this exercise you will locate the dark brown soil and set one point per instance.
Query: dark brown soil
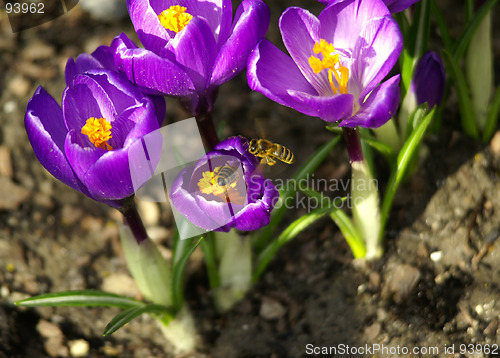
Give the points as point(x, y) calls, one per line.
point(437, 285)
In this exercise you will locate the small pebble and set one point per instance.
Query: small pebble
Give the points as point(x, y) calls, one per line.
point(436, 256)
point(11, 195)
point(48, 329)
point(120, 284)
point(495, 143)
point(6, 169)
point(79, 348)
point(56, 348)
point(271, 309)
point(35, 71)
point(373, 331)
point(19, 86)
point(111, 351)
point(402, 281)
point(9, 107)
point(38, 50)
point(149, 211)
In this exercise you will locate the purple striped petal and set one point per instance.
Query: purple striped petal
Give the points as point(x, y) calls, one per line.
point(110, 176)
point(343, 21)
point(84, 100)
point(47, 132)
point(379, 107)
point(195, 49)
point(186, 204)
point(375, 53)
point(257, 214)
point(300, 31)
point(217, 13)
point(250, 26)
point(273, 73)
point(151, 33)
point(152, 73)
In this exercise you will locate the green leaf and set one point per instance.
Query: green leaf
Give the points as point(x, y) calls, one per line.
point(129, 314)
point(80, 298)
point(466, 110)
point(443, 28)
point(208, 247)
point(344, 223)
point(415, 42)
point(264, 235)
point(492, 118)
point(177, 274)
point(404, 159)
point(463, 41)
point(422, 28)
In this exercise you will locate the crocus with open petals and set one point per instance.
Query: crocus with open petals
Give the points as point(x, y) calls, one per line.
point(190, 47)
point(197, 195)
point(85, 141)
point(337, 63)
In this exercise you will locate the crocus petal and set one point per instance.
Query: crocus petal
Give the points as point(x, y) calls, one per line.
point(151, 33)
point(144, 117)
point(84, 100)
point(379, 107)
point(195, 49)
point(399, 5)
point(105, 56)
point(102, 57)
point(46, 132)
point(251, 24)
point(257, 214)
point(300, 31)
point(110, 176)
point(273, 73)
point(330, 109)
point(343, 21)
point(160, 108)
point(154, 74)
point(217, 13)
point(376, 51)
point(186, 204)
point(120, 91)
point(82, 63)
point(81, 153)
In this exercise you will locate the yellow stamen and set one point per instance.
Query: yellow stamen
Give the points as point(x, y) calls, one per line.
point(99, 132)
point(208, 185)
point(330, 62)
point(175, 18)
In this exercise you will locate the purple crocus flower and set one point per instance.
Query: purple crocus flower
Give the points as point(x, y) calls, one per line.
point(243, 202)
point(429, 79)
point(190, 47)
point(337, 62)
point(393, 5)
point(85, 142)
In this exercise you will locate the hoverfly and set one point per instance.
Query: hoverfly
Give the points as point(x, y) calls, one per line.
point(270, 152)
